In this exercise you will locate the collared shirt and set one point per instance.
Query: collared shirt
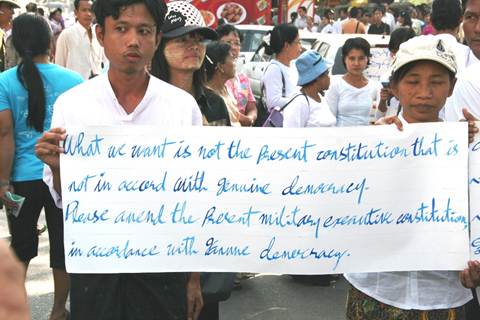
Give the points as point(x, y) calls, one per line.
point(94, 103)
point(75, 51)
point(419, 290)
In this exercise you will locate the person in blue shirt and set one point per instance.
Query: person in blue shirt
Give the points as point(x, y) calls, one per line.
point(27, 95)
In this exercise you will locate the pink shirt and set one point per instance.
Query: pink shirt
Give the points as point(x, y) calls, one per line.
point(239, 87)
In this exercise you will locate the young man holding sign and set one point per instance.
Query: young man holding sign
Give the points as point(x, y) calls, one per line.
point(129, 31)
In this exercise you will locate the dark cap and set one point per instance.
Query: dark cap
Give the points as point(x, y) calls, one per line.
point(182, 18)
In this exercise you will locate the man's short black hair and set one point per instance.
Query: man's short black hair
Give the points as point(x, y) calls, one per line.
point(304, 9)
point(31, 7)
point(378, 8)
point(113, 8)
point(446, 14)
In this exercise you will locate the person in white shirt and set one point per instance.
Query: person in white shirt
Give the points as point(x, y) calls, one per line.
point(471, 29)
point(302, 19)
point(466, 93)
point(446, 17)
point(278, 80)
point(308, 108)
point(423, 76)
point(389, 18)
point(343, 16)
point(77, 47)
point(351, 96)
point(126, 95)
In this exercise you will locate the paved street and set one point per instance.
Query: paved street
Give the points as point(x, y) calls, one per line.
point(265, 297)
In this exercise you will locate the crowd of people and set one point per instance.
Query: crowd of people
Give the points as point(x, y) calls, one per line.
point(131, 61)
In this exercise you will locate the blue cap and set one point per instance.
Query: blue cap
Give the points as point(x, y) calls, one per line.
point(310, 66)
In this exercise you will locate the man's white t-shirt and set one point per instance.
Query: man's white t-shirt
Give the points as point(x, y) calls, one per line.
point(93, 103)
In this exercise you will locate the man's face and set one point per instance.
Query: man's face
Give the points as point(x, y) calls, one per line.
point(377, 17)
point(84, 13)
point(129, 41)
point(301, 12)
point(6, 12)
point(471, 26)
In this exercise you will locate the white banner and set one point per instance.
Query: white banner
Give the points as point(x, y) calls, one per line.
point(297, 201)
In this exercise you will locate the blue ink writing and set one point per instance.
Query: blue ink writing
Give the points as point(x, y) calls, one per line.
point(211, 217)
point(143, 185)
point(236, 152)
point(272, 254)
point(75, 145)
point(144, 216)
point(178, 214)
point(209, 153)
point(122, 252)
point(215, 249)
point(158, 150)
point(430, 213)
point(186, 248)
point(299, 154)
point(72, 212)
point(225, 186)
point(296, 188)
point(190, 183)
point(114, 151)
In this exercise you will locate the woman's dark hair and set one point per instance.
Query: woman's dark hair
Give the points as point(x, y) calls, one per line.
point(446, 14)
point(113, 8)
point(407, 19)
point(399, 36)
point(279, 36)
point(161, 69)
point(31, 37)
point(398, 75)
point(217, 52)
point(225, 29)
point(54, 12)
point(357, 43)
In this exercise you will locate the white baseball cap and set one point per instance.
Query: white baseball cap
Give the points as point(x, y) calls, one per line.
point(429, 47)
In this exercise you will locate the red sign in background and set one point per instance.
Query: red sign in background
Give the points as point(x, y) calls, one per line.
point(235, 12)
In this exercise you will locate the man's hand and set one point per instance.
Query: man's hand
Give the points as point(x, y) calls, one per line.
point(4, 188)
point(48, 147)
point(390, 120)
point(13, 297)
point(470, 277)
point(472, 127)
point(194, 296)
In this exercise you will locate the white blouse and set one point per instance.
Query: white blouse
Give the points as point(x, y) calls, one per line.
point(301, 113)
point(351, 105)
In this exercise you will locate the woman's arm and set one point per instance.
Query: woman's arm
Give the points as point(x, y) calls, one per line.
point(274, 87)
point(7, 147)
